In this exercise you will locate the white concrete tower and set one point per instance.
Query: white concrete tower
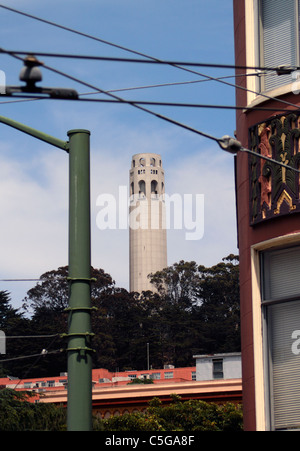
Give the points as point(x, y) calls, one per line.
point(147, 231)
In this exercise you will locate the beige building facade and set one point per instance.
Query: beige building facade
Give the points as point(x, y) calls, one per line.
point(147, 220)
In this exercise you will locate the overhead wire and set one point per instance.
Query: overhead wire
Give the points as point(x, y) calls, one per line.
point(189, 105)
point(43, 354)
point(80, 33)
point(160, 85)
point(57, 351)
point(138, 104)
point(149, 60)
point(173, 64)
point(144, 54)
point(121, 100)
point(132, 88)
point(11, 337)
point(126, 49)
point(20, 280)
point(208, 77)
point(154, 59)
point(221, 141)
point(166, 104)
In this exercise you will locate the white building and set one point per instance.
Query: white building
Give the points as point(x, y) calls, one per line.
point(218, 366)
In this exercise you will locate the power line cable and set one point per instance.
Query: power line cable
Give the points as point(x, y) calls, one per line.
point(80, 33)
point(121, 100)
point(158, 103)
point(243, 88)
point(173, 65)
point(148, 56)
point(137, 105)
point(153, 59)
point(162, 85)
point(30, 336)
point(233, 146)
point(41, 354)
point(190, 105)
point(20, 280)
point(158, 85)
point(149, 60)
point(126, 49)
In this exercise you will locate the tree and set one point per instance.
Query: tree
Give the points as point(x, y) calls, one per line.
point(13, 324)
point(17, 413)
point(177, 282)
point(220, 305)
point(47, 301)
point(7, 312)
point(190, 416)
point(195, 310)
point(200, 308)
point(125, 317)
point(52, 291)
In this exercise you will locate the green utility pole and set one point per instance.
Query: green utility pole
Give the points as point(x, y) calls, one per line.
point(79, 336)
point(79, 325)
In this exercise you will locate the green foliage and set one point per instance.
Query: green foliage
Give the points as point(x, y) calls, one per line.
point(132, 422)
point(193, 415)
point(18, 414)
point(196, 311)
point(137, 381)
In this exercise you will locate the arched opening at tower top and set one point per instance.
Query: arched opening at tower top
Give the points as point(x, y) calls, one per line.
point(142, 188)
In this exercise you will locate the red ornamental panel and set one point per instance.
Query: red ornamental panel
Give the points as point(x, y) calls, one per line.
point(274, 189)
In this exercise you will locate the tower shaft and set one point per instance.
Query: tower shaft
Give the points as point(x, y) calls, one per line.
point(147, 231)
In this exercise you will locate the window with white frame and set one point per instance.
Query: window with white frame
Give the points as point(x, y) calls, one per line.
point(278, 39)
point(281, 331)
point(155, 376)
point(169, 374)
point(218, 369)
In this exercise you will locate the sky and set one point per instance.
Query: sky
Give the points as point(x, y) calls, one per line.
point(34, 175)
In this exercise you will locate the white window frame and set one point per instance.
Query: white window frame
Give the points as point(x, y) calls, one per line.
point(169, 375)
point(252, 46)
point(218, 368)
point(155, 376)
point(261, 376)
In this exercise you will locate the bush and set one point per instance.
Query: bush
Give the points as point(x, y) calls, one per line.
point(192, 415)
point(136, 380)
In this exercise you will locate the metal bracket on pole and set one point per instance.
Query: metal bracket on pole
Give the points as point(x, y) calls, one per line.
point(31, 74)
point(79, 414)
point(81, 349)
point(74, 309)
point(79, 334)
point(64, 145)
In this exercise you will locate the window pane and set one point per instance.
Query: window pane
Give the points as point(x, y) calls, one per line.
point(218, 369)
point(169, 375)
point(155, 376)
point(278, 35)
point(281, 277)
point(284, 325)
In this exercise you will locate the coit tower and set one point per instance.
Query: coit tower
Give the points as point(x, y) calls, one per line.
point(147, 231)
